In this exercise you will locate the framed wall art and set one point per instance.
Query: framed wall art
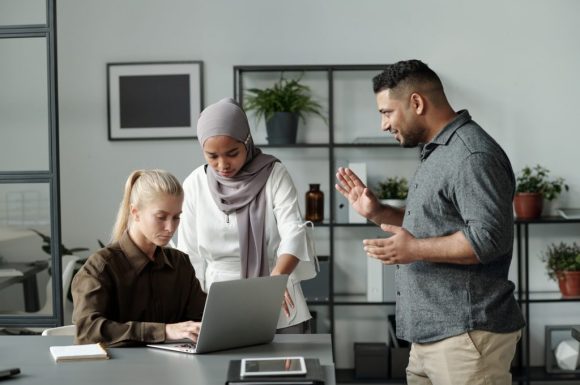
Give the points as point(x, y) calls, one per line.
point(154, 100)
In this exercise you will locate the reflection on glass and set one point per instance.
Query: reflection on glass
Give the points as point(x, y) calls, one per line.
point(22, 12)
point(24, 116)
point(25, 283)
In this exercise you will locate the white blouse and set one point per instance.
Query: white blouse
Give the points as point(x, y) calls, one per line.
point(210, 237)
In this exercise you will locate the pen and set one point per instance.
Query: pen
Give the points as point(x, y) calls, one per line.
point(9, 372)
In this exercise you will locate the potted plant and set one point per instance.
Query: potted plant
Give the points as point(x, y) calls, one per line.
point(533, 185)
point(393, 191)
point(563, 266)
point(281, 106)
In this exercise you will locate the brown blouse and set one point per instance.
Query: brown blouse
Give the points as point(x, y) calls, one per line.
point(121, 297)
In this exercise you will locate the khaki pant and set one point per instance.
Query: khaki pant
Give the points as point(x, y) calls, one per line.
point(473, 358)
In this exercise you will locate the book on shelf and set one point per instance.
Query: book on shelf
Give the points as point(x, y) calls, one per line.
point(314, 375)
point(341, 205)
point(360, 169)
point(79, 352)
point(383, 139)
point(374, 280)
point(569, 213)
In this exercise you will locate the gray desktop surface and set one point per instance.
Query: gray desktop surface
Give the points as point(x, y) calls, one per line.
point(142, 366)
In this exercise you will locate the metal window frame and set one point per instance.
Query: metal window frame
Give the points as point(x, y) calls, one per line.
point(52, 177)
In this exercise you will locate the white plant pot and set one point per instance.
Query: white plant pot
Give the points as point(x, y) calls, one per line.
point(550, 208)
point(398, 203)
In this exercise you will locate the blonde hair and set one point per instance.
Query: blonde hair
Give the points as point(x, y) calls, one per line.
point(142, 187)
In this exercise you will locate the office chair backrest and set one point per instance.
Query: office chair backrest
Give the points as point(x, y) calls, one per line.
point(68, 267)
point(67, 330)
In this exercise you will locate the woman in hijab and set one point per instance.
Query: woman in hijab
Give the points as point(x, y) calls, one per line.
point(240, 215)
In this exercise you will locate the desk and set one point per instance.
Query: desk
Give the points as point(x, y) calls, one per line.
point(28, 280)
point(8, 233)
point(144, 366)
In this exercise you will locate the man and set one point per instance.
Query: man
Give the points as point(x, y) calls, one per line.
point(452, 244)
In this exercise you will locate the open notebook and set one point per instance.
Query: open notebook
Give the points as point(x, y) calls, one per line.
point(237, 313)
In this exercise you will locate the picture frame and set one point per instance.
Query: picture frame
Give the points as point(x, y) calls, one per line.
point(554, 335)
point(154, 100)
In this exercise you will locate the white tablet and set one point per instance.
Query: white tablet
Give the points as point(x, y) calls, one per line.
point(273, 366)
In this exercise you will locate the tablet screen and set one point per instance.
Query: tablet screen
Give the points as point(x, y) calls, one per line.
point(273, 366)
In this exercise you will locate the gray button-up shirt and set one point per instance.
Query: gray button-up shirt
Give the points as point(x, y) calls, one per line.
point(464, 183)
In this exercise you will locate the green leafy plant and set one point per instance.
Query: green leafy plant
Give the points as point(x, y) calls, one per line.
point(393, 188)
point(561, 257)
point(287, 95)
point(537, 180)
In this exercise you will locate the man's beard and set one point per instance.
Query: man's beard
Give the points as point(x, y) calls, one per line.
point(412, 138)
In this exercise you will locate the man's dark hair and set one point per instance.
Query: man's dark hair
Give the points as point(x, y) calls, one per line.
point(407, 72)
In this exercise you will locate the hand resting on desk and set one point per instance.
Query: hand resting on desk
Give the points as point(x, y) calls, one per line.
point(181, 330)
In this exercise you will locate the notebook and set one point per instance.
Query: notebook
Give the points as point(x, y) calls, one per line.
point(237, 313)
point(79, 352)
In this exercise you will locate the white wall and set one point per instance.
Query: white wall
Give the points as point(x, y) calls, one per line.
point(512, 64)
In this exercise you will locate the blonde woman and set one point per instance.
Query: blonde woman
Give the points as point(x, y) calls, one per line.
point(136, 290)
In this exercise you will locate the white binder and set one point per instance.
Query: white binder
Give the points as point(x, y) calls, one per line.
point(360, 169)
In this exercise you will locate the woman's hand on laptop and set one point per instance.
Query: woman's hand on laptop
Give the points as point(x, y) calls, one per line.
point(181, 330)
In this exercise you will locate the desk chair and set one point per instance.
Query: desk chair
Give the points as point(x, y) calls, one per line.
point(67, 330)
point(68, 267)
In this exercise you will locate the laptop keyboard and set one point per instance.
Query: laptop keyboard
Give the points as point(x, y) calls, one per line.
point(187, 348)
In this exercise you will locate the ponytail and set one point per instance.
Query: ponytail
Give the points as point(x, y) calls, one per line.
point(141, 187)
point(123, 214)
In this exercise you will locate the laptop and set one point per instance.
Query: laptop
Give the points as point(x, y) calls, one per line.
point(237, 313)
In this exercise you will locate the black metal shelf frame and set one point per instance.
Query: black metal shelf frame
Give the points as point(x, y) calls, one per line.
point(528, 374)
point(329, 69)
point(326, 145)
point(524, 374)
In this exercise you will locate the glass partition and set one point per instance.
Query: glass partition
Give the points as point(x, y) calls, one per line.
point(25, 285)
point(30, 296)
point(24, 107)
point(22, 12)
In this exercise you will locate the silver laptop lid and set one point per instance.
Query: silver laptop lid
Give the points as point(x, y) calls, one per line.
point(241, 313)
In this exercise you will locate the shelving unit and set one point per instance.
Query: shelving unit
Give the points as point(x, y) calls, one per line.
point(330, 145)
point(523, 372)
point(526, 373)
